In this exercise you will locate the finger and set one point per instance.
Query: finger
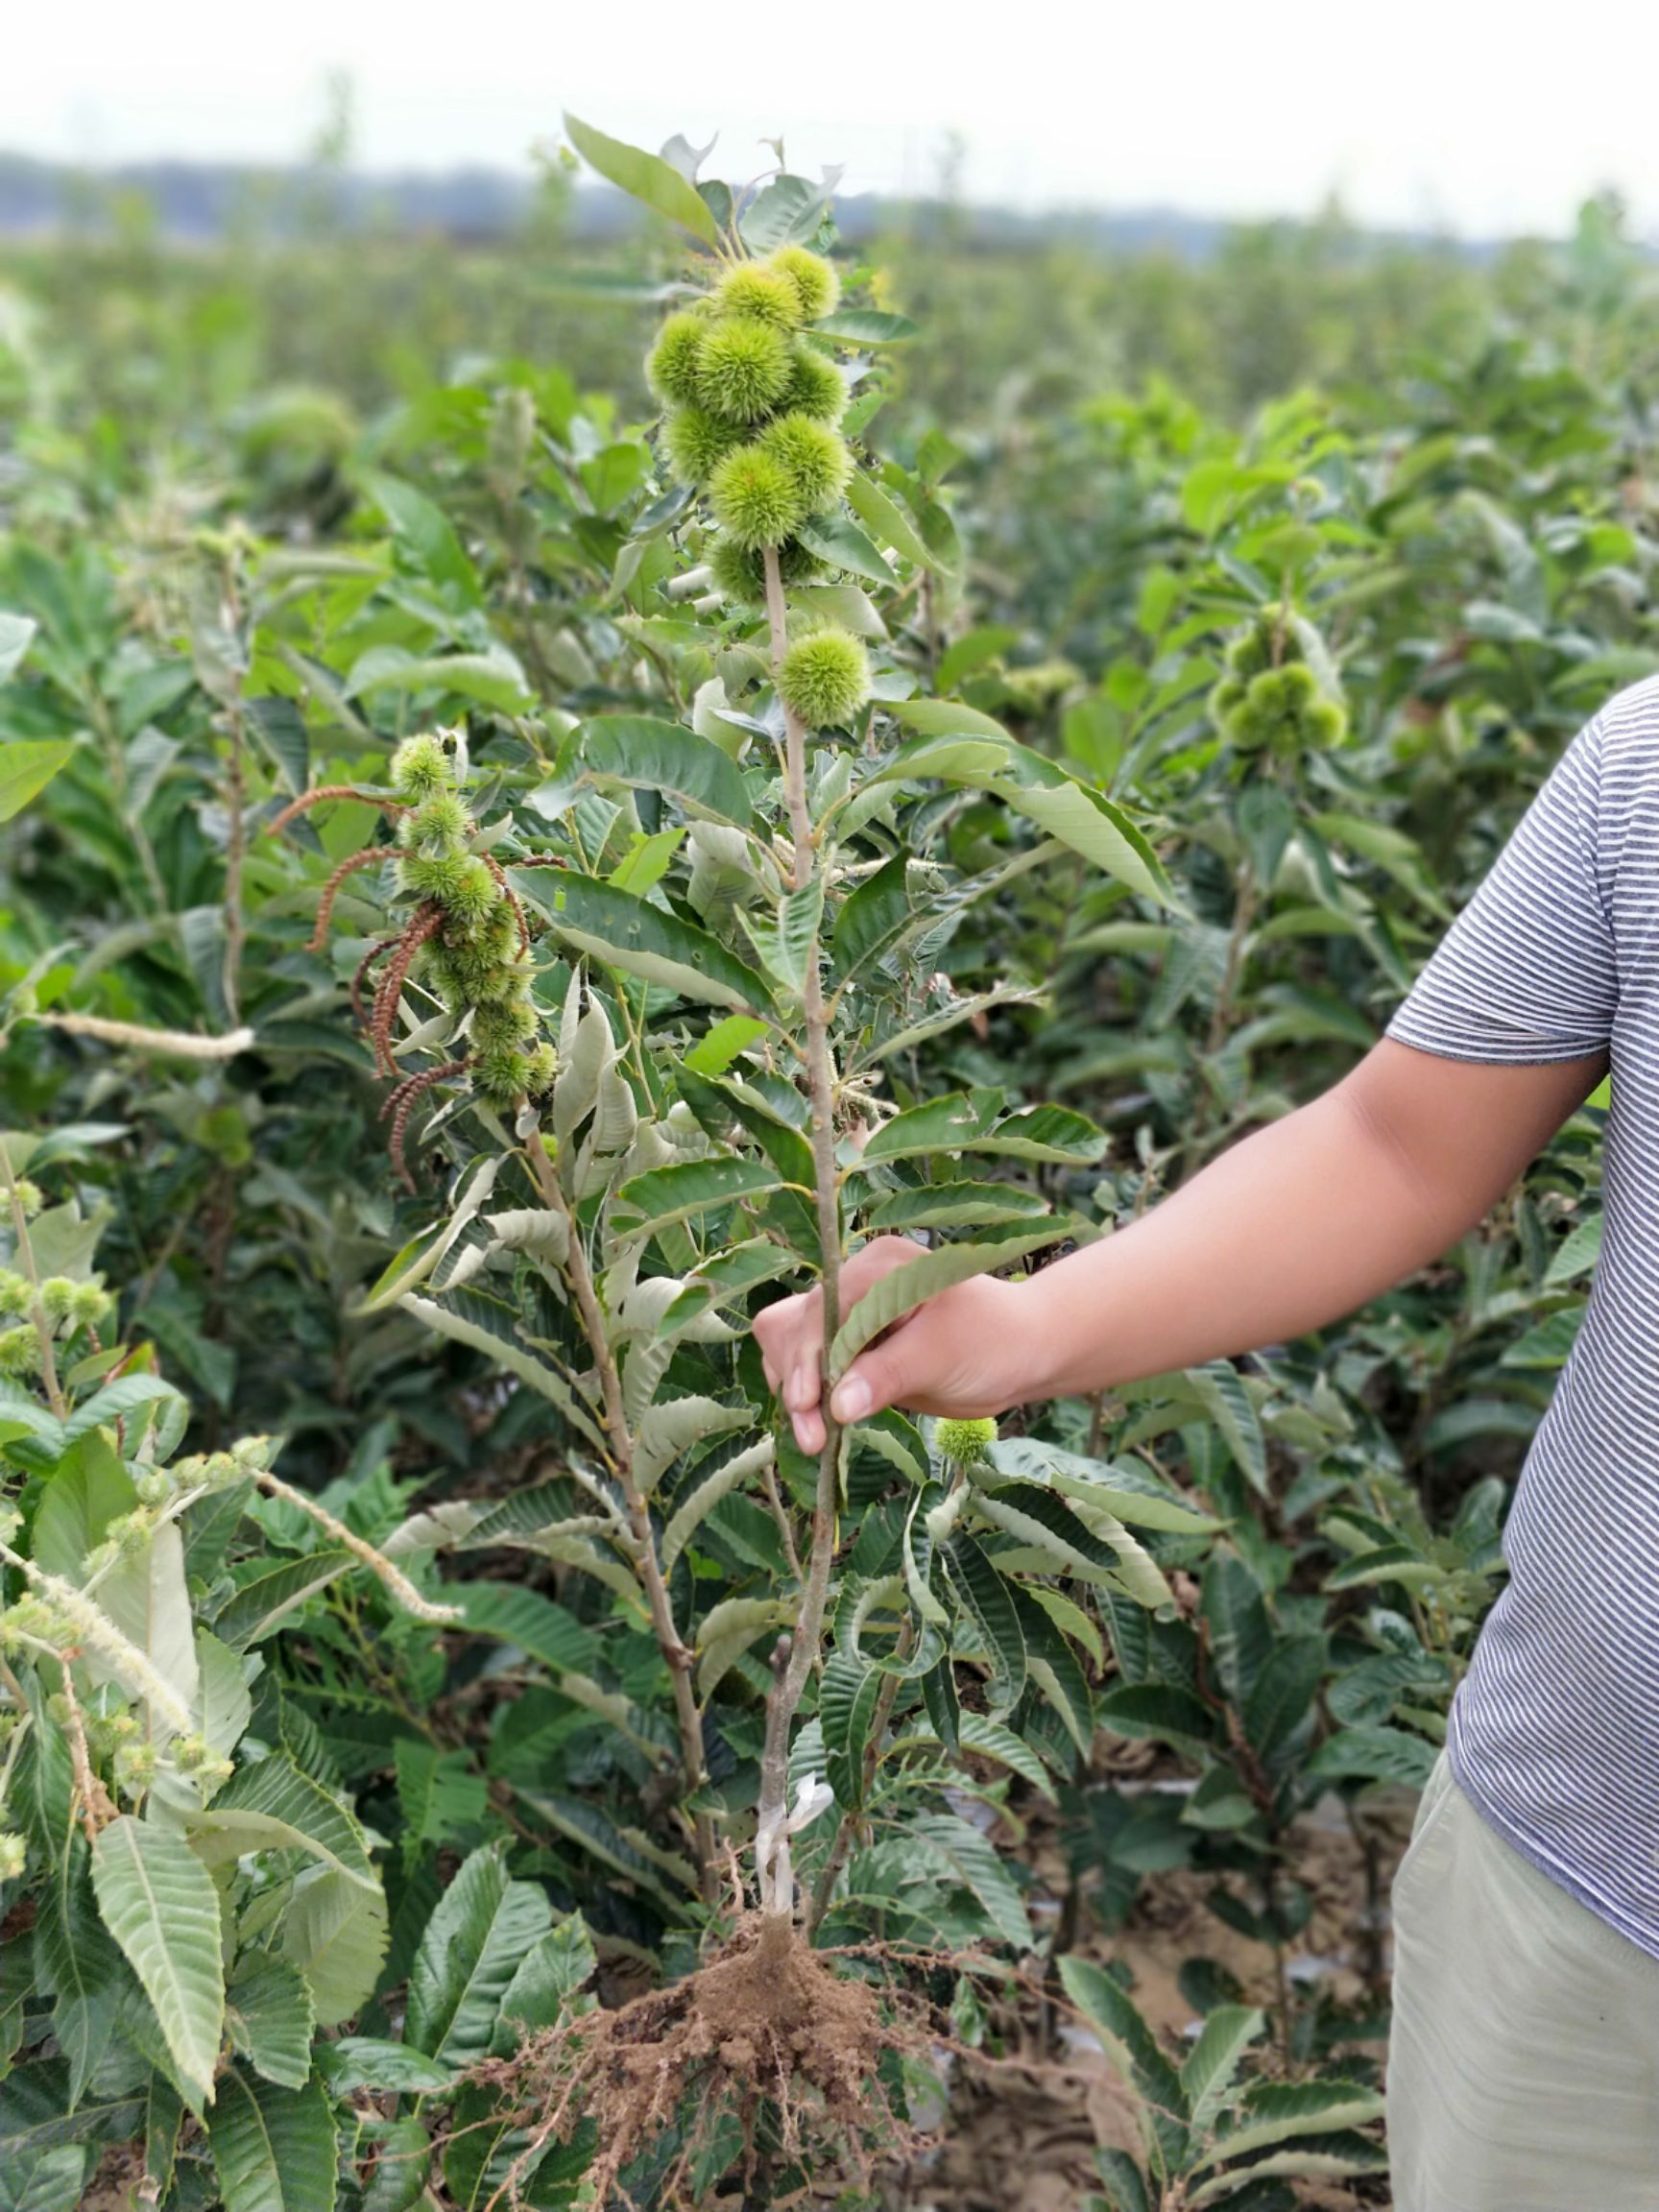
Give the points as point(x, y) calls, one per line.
point(874, 1261)
point(775, 1324)
point(770, 1372)
point(801, 1390)
point(876, 1379)
point(809, 1429)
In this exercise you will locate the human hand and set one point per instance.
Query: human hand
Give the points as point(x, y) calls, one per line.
point(964, 1353)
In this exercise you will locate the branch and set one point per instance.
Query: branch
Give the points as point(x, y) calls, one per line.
point(675, 1651)
point(789, 1684)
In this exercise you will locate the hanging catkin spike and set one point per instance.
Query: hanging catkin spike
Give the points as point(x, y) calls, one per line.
point(367, 858)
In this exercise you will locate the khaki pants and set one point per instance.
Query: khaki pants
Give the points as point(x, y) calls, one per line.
point(1523, 2066)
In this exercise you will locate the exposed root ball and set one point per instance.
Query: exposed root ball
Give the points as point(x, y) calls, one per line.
point(765, 2028)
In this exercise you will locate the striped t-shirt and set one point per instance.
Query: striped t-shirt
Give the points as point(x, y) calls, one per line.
point(1556, 1729)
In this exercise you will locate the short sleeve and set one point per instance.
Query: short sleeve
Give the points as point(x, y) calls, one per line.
point(1527, 973)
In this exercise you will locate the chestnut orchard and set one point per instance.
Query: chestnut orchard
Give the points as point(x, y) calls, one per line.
point(497, 894)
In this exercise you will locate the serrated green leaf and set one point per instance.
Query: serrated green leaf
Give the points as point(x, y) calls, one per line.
point(483, 1924)
point(841, 544)
point(987, 1601)
point(788, 941)
point(1209, 2070)
point(352, 2063)
point(1123, 2033)
point(1157, 1709)
point(726, 1632)
point(644, 940)
point(269, 1805)
point(956, 1206)
point(27, 765)
point(269, 2016)
point(694, 1507)
point(516, 1614)
point(645, 177)
point(335, 1932)
point(491, 1327)
point(263, 1604)
point(887, 520)
point(972, 1859)
point(665, 1195)
point(848, 1699)
point(1378, 1754)
point(89, 1489)
point(1276, 2111)
point(973, 1121)
point(1038, 1517)
point(924, 1277)
point(275, 2149)
point(441, 1796)
point(159, 1902)
point(643, 753)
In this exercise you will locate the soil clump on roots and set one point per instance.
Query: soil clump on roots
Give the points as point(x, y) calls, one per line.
point(765, 2030)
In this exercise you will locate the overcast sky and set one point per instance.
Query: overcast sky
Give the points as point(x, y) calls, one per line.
point(1464, 114)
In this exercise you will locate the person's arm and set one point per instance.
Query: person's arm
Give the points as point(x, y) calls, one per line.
point(1294, 1227)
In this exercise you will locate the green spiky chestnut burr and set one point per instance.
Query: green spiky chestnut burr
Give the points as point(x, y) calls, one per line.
point(815, 456)
point(672, 365)
point(502, 1027)
point(963, 1443)
point(696, 442)
point(743, 367)
point(740, 574)
point(816, 387)
point(438, 825)
point(768, 294)
point(813, 280)
point(755, 499)
point(825, 677)
point(435, 875)
point(420, 768)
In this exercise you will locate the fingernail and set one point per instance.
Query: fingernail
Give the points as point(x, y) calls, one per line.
point(852, 1399)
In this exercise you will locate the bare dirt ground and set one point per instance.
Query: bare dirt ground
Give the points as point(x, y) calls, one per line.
point(1022, 2132)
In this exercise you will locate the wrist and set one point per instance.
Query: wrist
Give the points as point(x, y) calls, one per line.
point(1027, 1359)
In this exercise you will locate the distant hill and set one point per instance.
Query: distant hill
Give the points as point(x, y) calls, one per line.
point(193, 202)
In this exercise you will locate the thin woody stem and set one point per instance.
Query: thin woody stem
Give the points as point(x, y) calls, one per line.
point(790, 1683)
point(675, 1650)
point(235, 854)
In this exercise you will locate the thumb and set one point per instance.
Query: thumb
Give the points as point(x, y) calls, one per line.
point(876, 1379)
